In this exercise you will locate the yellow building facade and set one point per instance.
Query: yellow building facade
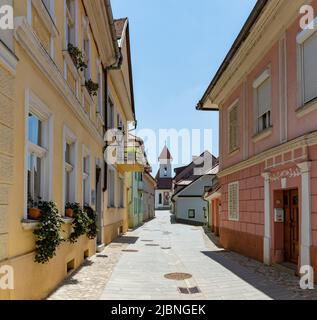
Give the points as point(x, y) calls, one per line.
point(52, 125)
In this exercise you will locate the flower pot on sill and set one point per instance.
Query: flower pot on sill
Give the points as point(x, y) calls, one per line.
point(69, 213)
point(34, 213)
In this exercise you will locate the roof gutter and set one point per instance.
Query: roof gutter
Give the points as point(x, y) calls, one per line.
point(118, 63)
point(243, 35)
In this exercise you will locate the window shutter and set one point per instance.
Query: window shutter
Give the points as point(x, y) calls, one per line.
point(264, 97)
point(310, 68)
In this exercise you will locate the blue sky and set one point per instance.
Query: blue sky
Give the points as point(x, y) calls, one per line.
point(177, 46)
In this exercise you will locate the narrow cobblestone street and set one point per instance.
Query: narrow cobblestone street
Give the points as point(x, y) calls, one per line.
point(134, 267)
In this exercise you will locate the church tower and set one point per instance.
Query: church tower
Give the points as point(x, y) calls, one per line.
point(165, 161)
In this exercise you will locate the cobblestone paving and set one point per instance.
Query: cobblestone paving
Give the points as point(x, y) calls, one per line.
point(88, 282)
point(160, 247)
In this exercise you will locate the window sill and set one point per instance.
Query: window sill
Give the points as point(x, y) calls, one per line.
point(76, 74)
point(67, 220)
point(306, 108)
point(30, 225)
point(262, 135)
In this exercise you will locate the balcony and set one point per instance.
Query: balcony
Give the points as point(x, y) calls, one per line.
point(131, 159)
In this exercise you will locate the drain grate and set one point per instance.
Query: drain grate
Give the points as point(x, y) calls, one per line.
point(115, 246)
point(178, 276)
point(166, 248)
point(147, 240)
point(130, 250)
point(193, 290)
point(152, 245)
point(102, 256)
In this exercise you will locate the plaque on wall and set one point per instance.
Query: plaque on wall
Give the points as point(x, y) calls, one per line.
point(279, 215)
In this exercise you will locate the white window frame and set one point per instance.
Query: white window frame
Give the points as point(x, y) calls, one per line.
point(230, 217)
point(266, 75)
point(233, 105)
point(48, 18)
point(86, 176)
point(66, 17)
point(301, 38)
point(87, 37)
point(194, 210)
point(70, 138)
point(34, 105)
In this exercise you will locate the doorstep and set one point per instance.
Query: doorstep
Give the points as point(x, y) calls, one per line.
point(287, 267)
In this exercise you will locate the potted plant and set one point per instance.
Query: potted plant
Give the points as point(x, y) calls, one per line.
point(34, 212)
point(71, 208)
point(92, 87)
point(92, 229)
point(77, 57)
point(48, 236)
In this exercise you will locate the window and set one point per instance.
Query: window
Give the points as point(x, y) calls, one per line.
point(233, 201)
point(110, 114)
point(121, 192)
point(233, 128)
point(86, 47)
point(100, 92)
point(38, 151)
point(49, 6)
point(191, 213)
point(165, 172)
point(111, 188)
point(307, 65)
point(262, 87)
point(70, 186)
point(71, 22)
point(160, 198)
point(86, 178)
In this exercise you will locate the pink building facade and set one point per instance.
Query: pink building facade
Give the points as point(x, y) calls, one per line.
point(266, 94)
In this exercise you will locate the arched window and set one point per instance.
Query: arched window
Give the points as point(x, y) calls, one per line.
point(160, 198)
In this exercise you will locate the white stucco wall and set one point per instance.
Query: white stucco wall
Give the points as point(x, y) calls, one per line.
point(184, 204)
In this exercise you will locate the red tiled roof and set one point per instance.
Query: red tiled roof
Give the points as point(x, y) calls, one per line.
point(165, 154)
point(164, 183)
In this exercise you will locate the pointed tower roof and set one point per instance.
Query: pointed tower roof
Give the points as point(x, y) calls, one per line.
point(165, 154)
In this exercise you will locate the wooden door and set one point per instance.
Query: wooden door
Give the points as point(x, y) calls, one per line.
point(291, 226)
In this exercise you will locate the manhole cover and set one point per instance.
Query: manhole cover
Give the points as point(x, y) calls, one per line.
point(166, 233)
point(130, 250)
point(152, 245)
point(178, 276)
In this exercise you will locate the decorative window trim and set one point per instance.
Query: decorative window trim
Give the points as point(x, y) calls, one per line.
point(86, 176)
point(31, 44)
point(34, 105)
point(260, 79)
point(48, 18)
point(70, 138)
point(7, 59)
point(303, 107)
point(230, 218)
point(264, 76)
